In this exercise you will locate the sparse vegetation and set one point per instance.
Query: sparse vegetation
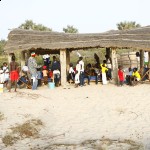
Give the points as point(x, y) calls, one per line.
point(9, 140)
point(100, 144)
point(1, 116)
point(29, 129)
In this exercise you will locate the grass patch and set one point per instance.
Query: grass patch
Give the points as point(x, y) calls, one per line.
point(9, 140)
point(1, 116)
point(29, 129)
point(100, 144)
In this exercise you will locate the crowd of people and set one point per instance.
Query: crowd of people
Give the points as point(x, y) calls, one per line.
point(79, 74)
point(33, 75)
point(101, 72)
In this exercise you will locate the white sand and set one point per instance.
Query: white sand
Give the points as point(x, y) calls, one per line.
point(101, 113)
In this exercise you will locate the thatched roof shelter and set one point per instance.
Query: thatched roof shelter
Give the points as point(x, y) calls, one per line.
point(44, 42)
point(52, 42)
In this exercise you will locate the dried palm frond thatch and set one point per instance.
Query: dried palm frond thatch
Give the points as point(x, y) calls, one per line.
point(18, 39)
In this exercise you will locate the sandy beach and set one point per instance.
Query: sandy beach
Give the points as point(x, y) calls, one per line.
point(100, 117)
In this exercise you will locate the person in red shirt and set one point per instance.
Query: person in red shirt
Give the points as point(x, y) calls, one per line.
point(121, 75)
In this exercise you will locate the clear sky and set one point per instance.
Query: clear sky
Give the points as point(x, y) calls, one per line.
point(88, 16)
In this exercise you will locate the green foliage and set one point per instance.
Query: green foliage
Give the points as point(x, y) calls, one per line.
point(2, 44)
point(127, 25)
point(3, 57)
point(29, 24)
point(39, 60)
point(70, 29)
point(88, 55)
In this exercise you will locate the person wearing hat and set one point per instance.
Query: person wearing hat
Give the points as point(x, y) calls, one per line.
point(32, 66)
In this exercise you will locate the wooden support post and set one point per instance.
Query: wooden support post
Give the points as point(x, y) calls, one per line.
point(148, 59)
point(9, 57)
point(108, 51)
point(27, 55)
point(141, 58)
point(114, 66)
point(67, 59)
point(63, 67)
point(22, 59)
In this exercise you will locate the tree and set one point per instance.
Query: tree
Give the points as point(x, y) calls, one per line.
point(127, 25)
point(2, 44)
point(70, 29)
point(29, 24)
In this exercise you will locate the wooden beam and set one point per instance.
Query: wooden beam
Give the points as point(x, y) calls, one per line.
point(114, 66)
point(148, 59)
point(9, 57)
point(22, 59)
point(27, 55)
point(141, 58)
point(108, 51)
point(68, 59)
point(63, 67)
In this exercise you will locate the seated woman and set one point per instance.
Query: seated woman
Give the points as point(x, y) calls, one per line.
point(87, 73)
point(135, 77)
point(24, 82)
point(95, 71)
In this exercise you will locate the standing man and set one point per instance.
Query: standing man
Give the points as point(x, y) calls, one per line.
point(14, 73)
point(81, 63)
point(32, 65)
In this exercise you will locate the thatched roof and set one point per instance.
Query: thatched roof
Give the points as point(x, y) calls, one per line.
point(19, 39)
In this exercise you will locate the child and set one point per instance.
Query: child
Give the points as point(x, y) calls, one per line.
point(45, 75)
point(6, 77)
point(128, 76)
point(1, 76)
point(56, 76)
point(104, 70)
point(51, 75)
point(5, 67)
point(39, 76)
point(71, 73)
point(121, 75)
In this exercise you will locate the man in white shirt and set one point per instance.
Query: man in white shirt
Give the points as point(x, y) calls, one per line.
point(146, 59)
point(81, 63)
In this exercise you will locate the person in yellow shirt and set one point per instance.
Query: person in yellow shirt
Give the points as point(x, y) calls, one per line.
point(136, 74)
point(104, 70)
point(135, 77)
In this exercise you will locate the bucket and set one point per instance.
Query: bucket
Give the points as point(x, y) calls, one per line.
point(51, 85)
point(1, 88)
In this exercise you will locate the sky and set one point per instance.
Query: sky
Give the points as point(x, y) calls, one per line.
point(88, 16)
